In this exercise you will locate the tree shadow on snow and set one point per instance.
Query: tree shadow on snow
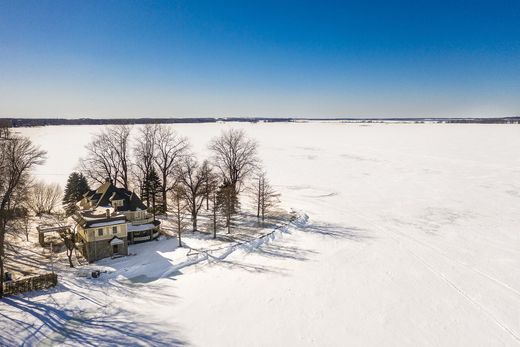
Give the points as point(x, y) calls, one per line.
point(277, 250)
point(337, 231)
point(72, 326)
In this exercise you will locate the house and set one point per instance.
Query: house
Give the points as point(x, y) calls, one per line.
point(111, 218)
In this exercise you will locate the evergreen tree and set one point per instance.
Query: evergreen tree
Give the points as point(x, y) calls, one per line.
point(152, 189)
point(77, 185)
point(227, 202)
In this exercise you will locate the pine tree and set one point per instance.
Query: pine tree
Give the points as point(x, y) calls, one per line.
point(228, 202)
point(77, 185)
point(153, 189)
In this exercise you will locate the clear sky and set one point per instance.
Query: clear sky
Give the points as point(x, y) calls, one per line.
point(259, 58)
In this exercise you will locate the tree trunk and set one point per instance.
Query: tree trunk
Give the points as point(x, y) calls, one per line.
point(194, 214)
point(228, 223)
point(69, 255)
point(164, 191)
point(2, 247)
point(207, 197)
point(179, 237)
point(214, 224)
point(153, 206)
point(165, 200)
point(258, 198)
point(1, 275)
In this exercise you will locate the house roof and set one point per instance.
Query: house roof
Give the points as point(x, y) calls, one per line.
point(108, 192)
point(102, 210)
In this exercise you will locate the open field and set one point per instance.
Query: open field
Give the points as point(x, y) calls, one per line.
point(407, 234)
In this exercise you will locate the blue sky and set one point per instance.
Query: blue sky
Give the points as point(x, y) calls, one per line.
point(237, 58)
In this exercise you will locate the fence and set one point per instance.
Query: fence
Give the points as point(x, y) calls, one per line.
point(27, 284)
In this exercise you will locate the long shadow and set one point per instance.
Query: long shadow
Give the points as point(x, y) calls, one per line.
point(276, 250)
point(253, 268)
point(61, 325)
point(337, 231)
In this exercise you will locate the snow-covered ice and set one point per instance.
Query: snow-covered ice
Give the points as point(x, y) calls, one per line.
point(408, 234)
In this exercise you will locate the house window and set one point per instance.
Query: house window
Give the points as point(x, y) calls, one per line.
point(114, 230)
point(100, 232)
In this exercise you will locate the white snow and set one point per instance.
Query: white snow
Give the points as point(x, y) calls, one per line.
point(408, 235)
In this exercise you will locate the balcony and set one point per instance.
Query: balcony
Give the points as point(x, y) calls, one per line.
point(142, 221)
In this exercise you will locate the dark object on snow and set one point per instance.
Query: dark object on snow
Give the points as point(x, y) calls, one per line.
point(8, 277)
point(95, 274)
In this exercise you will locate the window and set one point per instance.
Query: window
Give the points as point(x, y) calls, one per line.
point(114, 230)
point(100, 232)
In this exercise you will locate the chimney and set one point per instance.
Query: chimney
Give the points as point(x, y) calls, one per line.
point(108, 213)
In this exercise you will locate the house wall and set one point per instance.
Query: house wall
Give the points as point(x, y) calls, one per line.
point(136, 215)
point(97, 250)
point(91, 234)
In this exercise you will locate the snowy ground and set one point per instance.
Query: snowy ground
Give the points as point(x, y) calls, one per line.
point(407, 235)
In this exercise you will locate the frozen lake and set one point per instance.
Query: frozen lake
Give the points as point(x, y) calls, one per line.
point(412, 238)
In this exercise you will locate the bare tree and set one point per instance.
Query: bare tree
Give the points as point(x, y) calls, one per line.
point(265, 196)
point(119, 137)
point(235, 155)
point(144, 156)
point(170, 149)
point(18, 156)
point(44, 197)
point(192, 179)
point(215, 207)
point(108, 156)
point(68, 235)
point(25, 223)
point(179, 210)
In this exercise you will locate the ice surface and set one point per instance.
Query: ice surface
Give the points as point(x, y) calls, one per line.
point(409, 236)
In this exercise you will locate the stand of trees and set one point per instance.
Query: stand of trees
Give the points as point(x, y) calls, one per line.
point(265, 196)
point(18, 156)
point(170, 178)
point(157, 162)
point(44, 197)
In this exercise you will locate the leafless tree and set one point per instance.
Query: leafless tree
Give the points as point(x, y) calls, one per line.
point(210, 184)
point(108, 156)
point(68, 235)
point(18, 155)
point(24, 223)
point(265, 196)
point(119, 136)
point(215, 207)
point(179, 210)
point(210, 192)
point(145, 151)
point(44, 197)
point(170, 149)
point(235, 156)
point(192, 179)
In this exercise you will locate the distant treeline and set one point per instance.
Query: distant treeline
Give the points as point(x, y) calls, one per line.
point(31, 122)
